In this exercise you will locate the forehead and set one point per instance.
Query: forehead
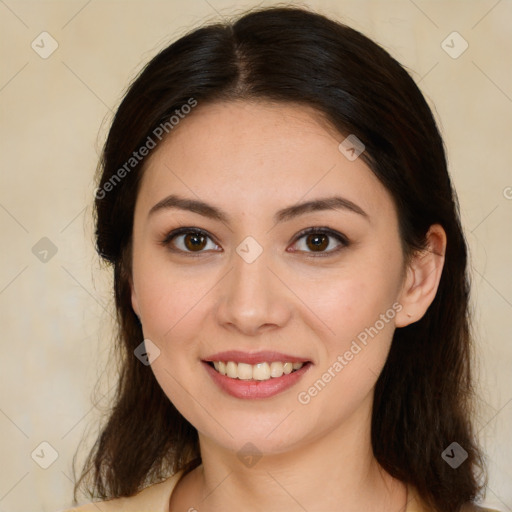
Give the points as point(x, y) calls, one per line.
point(251, 154)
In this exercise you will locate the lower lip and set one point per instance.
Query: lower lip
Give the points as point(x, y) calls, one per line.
point(255, 388)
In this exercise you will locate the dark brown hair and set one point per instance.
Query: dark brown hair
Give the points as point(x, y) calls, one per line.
point(424, 395)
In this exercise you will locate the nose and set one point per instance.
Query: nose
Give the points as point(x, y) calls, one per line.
point(253, 298)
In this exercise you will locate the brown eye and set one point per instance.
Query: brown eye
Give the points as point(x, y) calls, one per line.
point(187, 241)
point(194, 241)
point(317, 242)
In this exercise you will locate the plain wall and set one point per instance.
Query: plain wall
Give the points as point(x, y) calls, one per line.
point(55, 111)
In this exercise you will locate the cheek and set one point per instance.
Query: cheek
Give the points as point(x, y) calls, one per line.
point(350, 301)
point(169, 296)
point(358, 307)
point(361, 322)
point(352, 360)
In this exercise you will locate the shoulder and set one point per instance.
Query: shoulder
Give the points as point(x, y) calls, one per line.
point(154, 498)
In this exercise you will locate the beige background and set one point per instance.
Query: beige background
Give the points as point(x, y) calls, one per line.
point(56, 314)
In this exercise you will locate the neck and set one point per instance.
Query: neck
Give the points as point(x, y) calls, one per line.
point(334, 471)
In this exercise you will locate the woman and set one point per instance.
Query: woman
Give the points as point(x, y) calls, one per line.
point(275, 201)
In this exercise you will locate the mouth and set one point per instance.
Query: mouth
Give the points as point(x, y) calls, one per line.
point(257, 372)
point(255, 381)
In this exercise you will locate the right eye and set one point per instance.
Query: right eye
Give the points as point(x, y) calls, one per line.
point(188, 240)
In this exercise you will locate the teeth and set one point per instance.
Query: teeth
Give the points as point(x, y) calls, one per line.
point(231, 370)
point(276, 369)
point(259, 371)
point(244, 371)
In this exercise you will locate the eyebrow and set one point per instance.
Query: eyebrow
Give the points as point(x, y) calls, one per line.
point(212, 212)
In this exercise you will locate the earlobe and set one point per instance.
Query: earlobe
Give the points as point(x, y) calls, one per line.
point(422, 278)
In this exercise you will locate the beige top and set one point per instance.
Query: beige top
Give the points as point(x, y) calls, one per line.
point(156, 498)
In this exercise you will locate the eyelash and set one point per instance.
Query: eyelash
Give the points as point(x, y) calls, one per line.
point(166, 242)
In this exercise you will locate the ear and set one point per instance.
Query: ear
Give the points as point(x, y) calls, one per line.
point(422, 278)
point(135, 302)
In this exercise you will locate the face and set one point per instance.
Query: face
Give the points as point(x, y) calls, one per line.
point(253, 278)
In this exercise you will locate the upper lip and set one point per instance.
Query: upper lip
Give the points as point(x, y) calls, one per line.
point(268, 356)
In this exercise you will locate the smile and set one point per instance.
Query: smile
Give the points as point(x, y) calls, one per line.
point(260, 371)
point(255, 381)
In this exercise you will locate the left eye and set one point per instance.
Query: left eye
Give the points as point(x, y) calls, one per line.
point(318, 239)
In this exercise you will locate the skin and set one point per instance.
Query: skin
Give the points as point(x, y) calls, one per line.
point(251, 159)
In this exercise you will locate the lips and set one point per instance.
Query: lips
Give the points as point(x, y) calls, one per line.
point(265, 356)
point(260, 385)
